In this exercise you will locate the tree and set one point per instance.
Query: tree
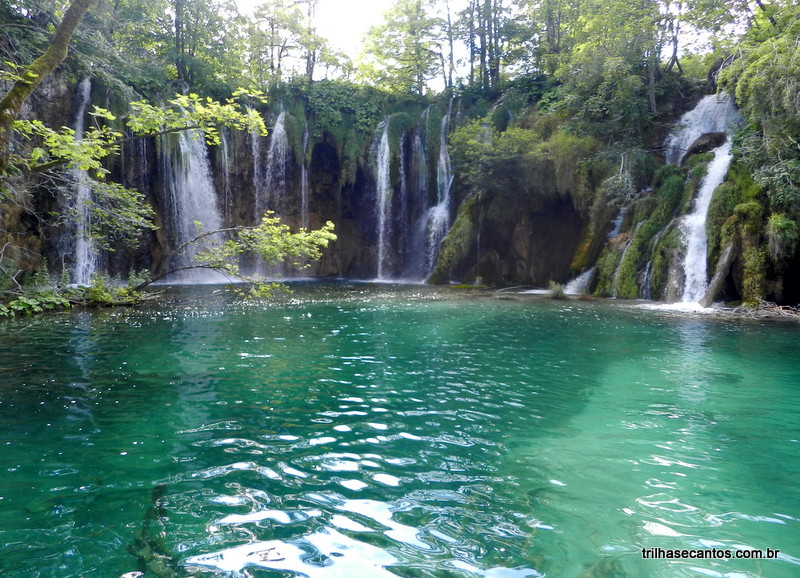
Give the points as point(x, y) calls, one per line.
point(271, 240)
point(273, 35)
point(40, 149)
point(401, 55)
point(33, 75)
point(764, 82)
point(207, 48)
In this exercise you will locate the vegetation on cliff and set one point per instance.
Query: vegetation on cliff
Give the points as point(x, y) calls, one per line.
point(559, 115)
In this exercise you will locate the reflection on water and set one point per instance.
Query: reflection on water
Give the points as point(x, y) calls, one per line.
point(361, 431)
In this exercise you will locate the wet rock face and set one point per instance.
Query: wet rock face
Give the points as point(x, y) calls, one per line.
point(510, 239)
point(706, 142)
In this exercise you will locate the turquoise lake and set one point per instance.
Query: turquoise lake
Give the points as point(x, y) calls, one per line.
point(368, 430)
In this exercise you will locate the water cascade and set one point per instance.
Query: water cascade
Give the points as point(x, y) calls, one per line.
point(304, 193)
point(438, 220)
point(404, 200)
point(713, 114)
point(694, 227)
point(190, 198)
point(272, 196)
point(258, 173)
point(86, 256)
point(617, 223)
point(416, 264)
point(580, 284)
point(618, 271)
point(224, 164)
point(383, 193)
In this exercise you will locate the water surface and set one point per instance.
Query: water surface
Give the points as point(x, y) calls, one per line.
point(356, 430)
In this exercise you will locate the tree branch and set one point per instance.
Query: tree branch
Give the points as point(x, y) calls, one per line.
point(56, 52)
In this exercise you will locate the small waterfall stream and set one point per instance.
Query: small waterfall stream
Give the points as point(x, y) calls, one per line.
point(713, 114)
point(416, 266)
point(694, 227)
point(383, 193)
point(258, 175)
point(580, 283)
point(438, 217)
point(272, 196)
point(86, 256)
point(304, 192)
point(190, 199)
point(224, 153)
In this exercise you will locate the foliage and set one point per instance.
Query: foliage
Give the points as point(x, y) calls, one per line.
point(782, 235)
point(764, 81)
point(119, 213)
point(400, 55)
point(271, 240)
point(556, 291)
point(754, 276)
point(623, 258)
point(517, 160)
point(44, 294)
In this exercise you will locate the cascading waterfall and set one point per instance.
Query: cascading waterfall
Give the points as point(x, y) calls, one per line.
point(304, 192)
point(615, 285)
point(86, 256)
point(617, 223)
point(404, 201)
point(438, 218)
point(580, 283)
point(416, 263)
point(272, 195)
point(713, 114)
point(694, 227)
point(190, 199)
point(420, 157)
point(383, 193)
point(224, 163)
point(258, 174)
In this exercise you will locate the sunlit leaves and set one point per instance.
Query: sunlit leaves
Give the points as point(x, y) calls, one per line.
point(401, 55)
point(60, 145)
point(190, 111)
point(271, 241)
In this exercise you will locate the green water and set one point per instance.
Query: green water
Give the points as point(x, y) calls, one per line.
point(376, 431)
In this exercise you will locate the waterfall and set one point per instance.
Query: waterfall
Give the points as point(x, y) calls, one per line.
point(272, 194)
point(258, 174)
point(190, 198)
point(85, 264)
point(617, 223)
point(438, 218)
point(694, 227)
point(383, 192)
point(404, 199)
point(713, 114)
point(580, 283)
point(304, 193)
point(416, 266)
point(618, 271)
point(224, 164)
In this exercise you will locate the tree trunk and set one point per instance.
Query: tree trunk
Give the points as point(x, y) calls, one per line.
point(33, 75)
point(764, 10)
point(180, 41)
point(451, 56)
